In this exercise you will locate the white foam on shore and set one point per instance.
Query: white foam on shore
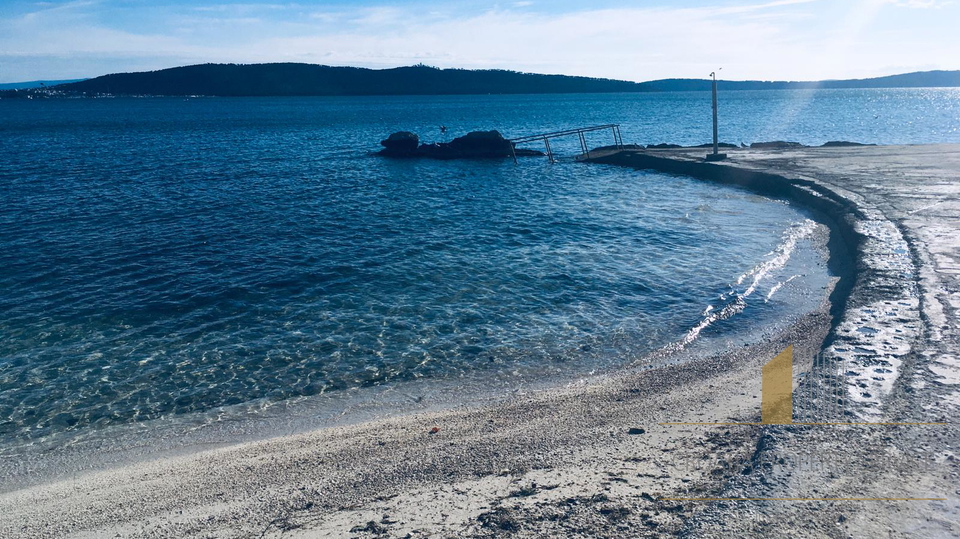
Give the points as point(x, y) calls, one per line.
point(778, 259)
point(780, 255)
point(711, 316)
point(778, 286)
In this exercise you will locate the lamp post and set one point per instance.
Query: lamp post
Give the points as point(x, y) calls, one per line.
point(716, 155)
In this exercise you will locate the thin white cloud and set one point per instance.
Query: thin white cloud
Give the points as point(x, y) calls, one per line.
point(763, 6)
point(784, 39)
point(922, 4)
point(50, 8)
point(325, 16)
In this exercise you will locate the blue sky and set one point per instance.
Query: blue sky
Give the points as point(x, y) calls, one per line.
point(639, 40)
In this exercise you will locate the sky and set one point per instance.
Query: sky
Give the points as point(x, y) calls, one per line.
point(631, 40)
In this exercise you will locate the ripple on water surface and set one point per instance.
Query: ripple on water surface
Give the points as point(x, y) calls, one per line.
point(149, 273)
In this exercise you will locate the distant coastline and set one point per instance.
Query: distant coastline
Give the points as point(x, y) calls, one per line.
point(31, 84)
point(292, 79)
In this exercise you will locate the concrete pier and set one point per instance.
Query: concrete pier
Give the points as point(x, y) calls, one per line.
point(895, 211)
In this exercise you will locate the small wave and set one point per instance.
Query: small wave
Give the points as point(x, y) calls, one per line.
point(710, 316)
point(781, 255)
point(778, 286)
point(737, 303)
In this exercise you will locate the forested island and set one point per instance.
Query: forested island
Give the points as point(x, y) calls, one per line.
point(295, 79)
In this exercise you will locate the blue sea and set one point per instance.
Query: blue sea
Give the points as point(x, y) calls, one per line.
point(163, 258)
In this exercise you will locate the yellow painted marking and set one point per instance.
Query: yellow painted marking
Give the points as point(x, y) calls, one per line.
point(776, 406)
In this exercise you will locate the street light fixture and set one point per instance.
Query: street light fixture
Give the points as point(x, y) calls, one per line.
point(716, 155)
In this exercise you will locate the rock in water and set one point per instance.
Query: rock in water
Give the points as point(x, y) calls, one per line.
point(775, 145)
point(476, 144)
point(719, 145)
point(843, 144)
point(401, 143)
point(473, 145)
point(482, 144)
point(663, 146)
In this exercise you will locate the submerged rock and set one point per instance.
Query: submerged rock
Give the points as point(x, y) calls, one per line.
point(525, 152)
point(620, 147)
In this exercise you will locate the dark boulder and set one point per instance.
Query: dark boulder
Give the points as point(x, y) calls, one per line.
point(708, 145)
point(401, 143)
point(473, 145)
point(843, 144)
point(775, 145)
point(437, 150)
point(618, 147)
point(482, 144)
point(477, 144)
point(663, 146)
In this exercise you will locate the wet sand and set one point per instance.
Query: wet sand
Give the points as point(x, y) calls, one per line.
point(595, 459)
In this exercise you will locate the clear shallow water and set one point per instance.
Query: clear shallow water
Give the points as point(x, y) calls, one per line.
point(160, 257)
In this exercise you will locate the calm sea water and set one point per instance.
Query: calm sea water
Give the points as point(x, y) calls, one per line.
point(160, 257)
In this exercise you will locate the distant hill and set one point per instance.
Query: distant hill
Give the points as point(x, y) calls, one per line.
point(34, 84)
point(308, 79)
point(311, 80)
point(920, 79)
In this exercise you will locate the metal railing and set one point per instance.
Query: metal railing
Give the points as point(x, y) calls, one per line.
point(579, 131)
